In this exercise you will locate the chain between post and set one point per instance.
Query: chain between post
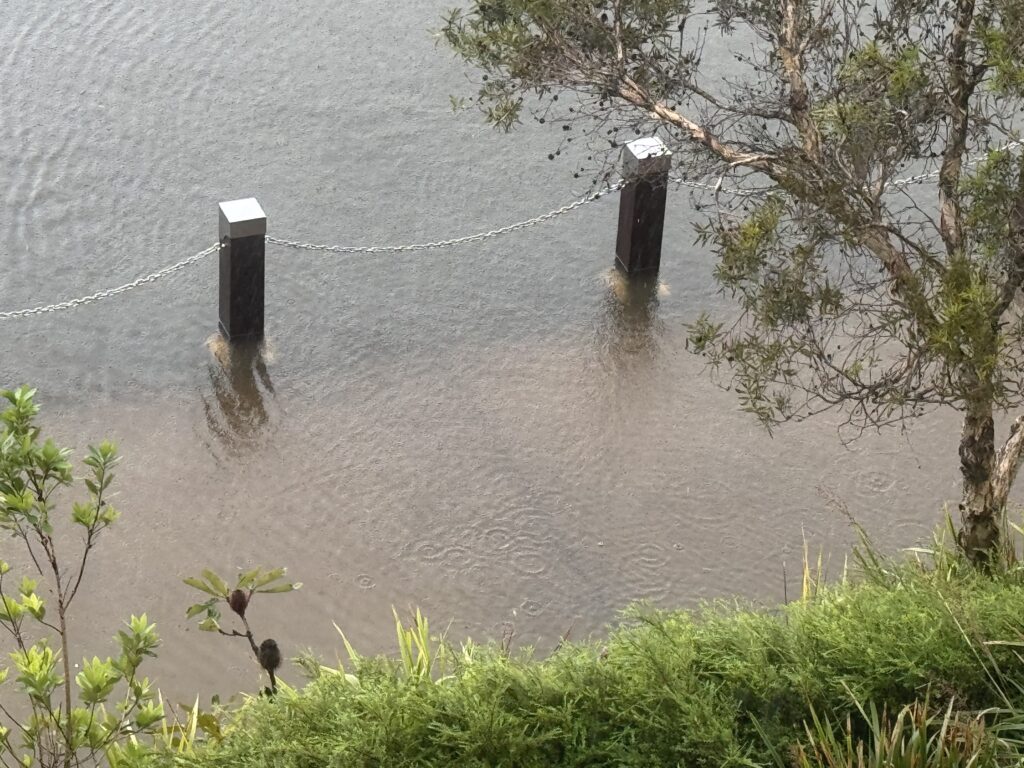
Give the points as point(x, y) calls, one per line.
point(370, 249)
point(920, 178)
point(100, 295)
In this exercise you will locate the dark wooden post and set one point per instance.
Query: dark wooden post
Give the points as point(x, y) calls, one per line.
point(243, 236)
point(645, 167)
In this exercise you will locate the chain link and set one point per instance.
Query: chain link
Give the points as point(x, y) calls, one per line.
point(918, 179)
point(923, 177)
point(456, 241)
point(371, 249)
point(705, 187)
point(98, 296)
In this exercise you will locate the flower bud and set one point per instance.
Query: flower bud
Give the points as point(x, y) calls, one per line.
point(239, 601)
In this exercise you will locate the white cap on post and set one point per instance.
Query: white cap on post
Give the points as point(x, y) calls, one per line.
point(645, 157)
point(242, 218)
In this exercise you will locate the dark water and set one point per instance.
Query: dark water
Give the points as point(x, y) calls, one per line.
point(502, 432)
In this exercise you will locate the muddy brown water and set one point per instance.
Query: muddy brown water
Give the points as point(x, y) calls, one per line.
point(499, 433)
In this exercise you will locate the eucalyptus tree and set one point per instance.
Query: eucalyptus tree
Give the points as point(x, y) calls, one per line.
point(868, 206)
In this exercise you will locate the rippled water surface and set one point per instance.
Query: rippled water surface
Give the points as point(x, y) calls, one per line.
point(502, 432)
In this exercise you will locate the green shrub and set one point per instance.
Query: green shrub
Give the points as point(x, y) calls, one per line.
point(917, 737)
point(726, 686)
point(61, 720)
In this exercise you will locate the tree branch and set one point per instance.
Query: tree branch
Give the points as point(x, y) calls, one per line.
point(1014, 250)
point(620, 51)
point(639, 97)
point(1008, 462)
point(961, 88)
point(791, 49)
point(871, 233)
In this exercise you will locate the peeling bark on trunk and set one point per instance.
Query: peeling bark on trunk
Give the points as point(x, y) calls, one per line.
point(988, 477)
point(979, 515)
point(1008, 462)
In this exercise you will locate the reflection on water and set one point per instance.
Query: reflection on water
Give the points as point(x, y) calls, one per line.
point(493, 435)
point(631, 324)
point(240, 387)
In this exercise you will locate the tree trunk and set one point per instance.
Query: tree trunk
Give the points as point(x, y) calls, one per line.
point(981, 508)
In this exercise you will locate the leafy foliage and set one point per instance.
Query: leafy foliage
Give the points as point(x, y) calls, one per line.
point(71, 720)
point(238, 599)
point(876, 270)
point(729, 685)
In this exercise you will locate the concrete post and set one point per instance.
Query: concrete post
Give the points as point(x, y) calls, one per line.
point(243, 231)
point(645, 166)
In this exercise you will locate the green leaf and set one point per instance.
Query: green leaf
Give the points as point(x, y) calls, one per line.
point(84, 514)
point(195, 610)
point(202, 586)
point(216, 582)
point(270, 576)
point(96, 681)
point(36, 672)
point(281, 588)
point(149, 714)
point(141, 689)
point(109, 514)
point(10, 610)
point(35, 606)
point(209, 625)
point(248, 578)
point(209, 724)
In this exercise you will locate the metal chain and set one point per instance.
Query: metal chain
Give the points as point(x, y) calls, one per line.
point(456, 241)
point(71, 304)
point(166, 271)
point(99, 295)
point(923, 177)
point(918, 179)
point(705, 187)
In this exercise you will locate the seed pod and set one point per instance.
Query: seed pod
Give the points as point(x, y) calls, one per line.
point(270, 655)
point(239, 601)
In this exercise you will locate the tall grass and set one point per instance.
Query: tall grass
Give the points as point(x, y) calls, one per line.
point(917, 737)
point(906, 664)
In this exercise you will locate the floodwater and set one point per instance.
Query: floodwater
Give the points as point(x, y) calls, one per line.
point(503, 433)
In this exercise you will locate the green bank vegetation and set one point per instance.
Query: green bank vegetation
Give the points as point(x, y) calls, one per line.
point(107, 711)
point(909, 663)
point(902, 665)
point(897, 663)
point(61, 719)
